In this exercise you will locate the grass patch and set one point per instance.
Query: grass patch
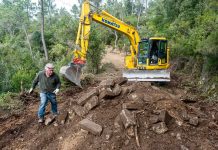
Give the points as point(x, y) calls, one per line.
point(10, 101)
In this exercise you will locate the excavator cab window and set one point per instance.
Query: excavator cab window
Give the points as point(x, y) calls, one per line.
point(162, 52)
point(143, 52)
point(154, 45)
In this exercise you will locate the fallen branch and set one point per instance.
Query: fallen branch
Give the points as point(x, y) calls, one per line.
point(136, 136)
point(136, 129)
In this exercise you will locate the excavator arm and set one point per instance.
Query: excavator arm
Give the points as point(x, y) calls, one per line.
point(106, 19)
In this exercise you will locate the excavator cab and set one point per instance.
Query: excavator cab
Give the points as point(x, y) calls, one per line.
point(152, 61)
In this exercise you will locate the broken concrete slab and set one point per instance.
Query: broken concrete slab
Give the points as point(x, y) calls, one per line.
point(90, 104)
point(107, 83)
point(118, 124)
point(106, 93)
point(136, 97)
point(49, 120)
point(132, 105)
point(120, 80)
point(185, 115)
point(128, 118)
point(116, 90)
point(193, 121)
point(164, 116)
point(153, 119)
point(127, 90)
point(160, 128)
point(91, 126)
point(107, 133)
point(62, 117)
point(147, 98)
point(80, 111)
point(87, 96)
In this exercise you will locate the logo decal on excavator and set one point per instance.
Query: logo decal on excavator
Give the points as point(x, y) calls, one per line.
point(110, 23)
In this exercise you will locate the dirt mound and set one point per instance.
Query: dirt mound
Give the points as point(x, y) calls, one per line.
point(125, 115)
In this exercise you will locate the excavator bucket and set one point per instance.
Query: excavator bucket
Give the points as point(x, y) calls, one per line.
point(72, 73)
point(147, 75)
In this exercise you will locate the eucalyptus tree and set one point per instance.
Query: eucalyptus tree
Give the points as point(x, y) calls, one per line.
point(42, 29)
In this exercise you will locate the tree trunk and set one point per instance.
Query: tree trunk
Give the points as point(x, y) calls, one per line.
point(49, 11)
point(132, 11)
point(42, 31)
point(139, 14)
point(116, 38)
point(28, 41)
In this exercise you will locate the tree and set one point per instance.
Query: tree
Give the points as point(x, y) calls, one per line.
point(42, 30)
point(75, 11)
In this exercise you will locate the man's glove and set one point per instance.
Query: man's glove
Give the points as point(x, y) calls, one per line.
point(31, 90)
point(56, 91)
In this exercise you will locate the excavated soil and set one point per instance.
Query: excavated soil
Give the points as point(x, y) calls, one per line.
point(193, 122)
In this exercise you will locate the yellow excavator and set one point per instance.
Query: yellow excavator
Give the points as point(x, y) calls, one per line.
point(148, 59)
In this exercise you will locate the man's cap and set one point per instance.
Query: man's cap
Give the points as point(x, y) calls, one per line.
point(49, 66)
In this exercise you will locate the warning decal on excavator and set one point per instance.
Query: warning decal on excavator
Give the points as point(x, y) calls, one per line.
point(110, 23)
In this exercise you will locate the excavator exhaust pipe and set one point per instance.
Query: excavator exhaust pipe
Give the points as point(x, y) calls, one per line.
point(147, 75)
point(72, 73)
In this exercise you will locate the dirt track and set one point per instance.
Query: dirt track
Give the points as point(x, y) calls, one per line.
point(193, 123)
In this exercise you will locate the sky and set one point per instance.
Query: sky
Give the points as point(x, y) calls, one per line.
point(63, 3)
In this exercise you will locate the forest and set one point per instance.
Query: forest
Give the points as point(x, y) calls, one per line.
point(32, 34)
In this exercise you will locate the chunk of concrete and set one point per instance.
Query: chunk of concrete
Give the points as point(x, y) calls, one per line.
point(116, 90)
point(93, 102)
point(153, 119)
point(91, 126)
point(107, 133)
point(164, 116)
point(107, 83)
point(118, 124)
point(128, 118)
point(132, 105)
point(87, 96)
point(120, 80)
point(160, 128)
point(80, 111)
point(62, 117)
point(136, 97)
point(193, 121)
point(147, 98)
point(49, 120)
point(106, 93)
point(185, 115)
point(127, 90)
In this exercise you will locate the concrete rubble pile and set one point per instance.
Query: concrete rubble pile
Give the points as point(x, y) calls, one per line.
point(165, 109)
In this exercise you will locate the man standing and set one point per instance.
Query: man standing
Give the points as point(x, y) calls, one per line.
point(49, 85)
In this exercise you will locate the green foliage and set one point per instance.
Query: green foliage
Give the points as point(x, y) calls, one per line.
point(21, 79)
point(190, 26)
point(9, 101)
point(57, 52)
point(95, 52)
